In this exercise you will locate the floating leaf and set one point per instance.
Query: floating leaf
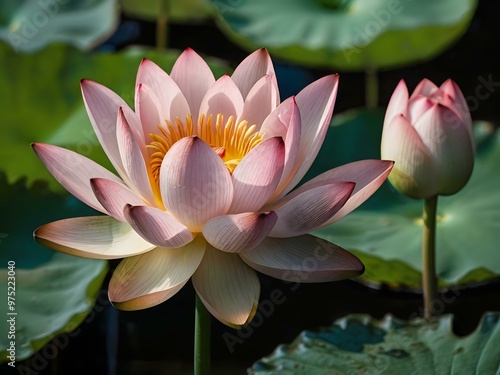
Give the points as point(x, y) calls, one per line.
point(29, 25)
point(359, 344)
point(53, 292)
point(41, 101)
point(346, 34)
point(388, 227)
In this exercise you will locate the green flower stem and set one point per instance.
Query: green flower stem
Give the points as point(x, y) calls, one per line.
point(371, 88)
point(162, 25)
point(429, 279)
point(201, 339)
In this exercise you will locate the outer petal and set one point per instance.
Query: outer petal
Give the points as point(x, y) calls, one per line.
point(96, 237)
point(368, 175)
point(228, 288)
point(449, 143)
point(149, 279)
point(414, 172)
point(241, 232)
point(223, 97)
point(157, 227)
point(425, 88)
point(148, 109)
point(74, 171)
point(307, 209)
point(256, 177)
point(171, 100)
point(133, 160)
point(114, 196)
point(262, 99)
point(304, 259)
point(194, 78)
point(284, 122)
point(194, 182)
point(102, 106)
point(316, 103)
point(253, 68)
point(398, 103)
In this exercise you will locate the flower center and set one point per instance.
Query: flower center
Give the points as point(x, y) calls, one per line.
point(230, 140)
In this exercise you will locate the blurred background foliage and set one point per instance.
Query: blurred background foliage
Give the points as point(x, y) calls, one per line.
point(48, 46)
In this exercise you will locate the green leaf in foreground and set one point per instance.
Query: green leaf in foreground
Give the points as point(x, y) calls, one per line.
point(386, 231)
point(41, 101)
point(347, 35)
point(53, 292)
point(359, 344)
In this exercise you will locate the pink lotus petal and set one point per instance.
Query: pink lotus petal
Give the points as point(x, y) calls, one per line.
point(452, 90)
point(284, 122)
point(315, 103)
point(262, 99)
point(114, 196)
point(256, 177)
point(241, 232)
point(417, 107)
point(74, 171)
point(96, 237)
point(148, 107)
point(414, 170)
point(170, 98)
point(228, 288)
point(157, 226)
point(222, 97)
point(425, 88)
point(102, 106)
point(307, 209)
point(304, 259)
point(253, 68)
point(133, 161)
point(194, 78)
point(368, 175)
point(450, 145)
point(149, 279)
point(194, 182)
point(398, 103)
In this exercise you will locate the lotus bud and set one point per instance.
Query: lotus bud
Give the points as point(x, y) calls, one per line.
point(429, 136)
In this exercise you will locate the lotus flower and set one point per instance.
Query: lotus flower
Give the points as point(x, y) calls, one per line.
point(429, 136)
point(206, 172)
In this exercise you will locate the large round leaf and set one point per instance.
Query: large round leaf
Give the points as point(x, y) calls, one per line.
point(41, 101)
point(29, 25)
point(347, 34)
point(359, 344)
point(53, 292)
point(386, 231)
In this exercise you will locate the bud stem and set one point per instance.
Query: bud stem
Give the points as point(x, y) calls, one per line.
point(371, 88)
point(201, 339)
point(162, 25)
point(429, 279)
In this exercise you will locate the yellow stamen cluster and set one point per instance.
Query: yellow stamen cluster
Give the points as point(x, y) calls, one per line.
point(230, 140)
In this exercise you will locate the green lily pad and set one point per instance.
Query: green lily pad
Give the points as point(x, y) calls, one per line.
point(29, 25)
point(53, 292)
point(386, 231)
point(41, 101)
point(180, 11)
point(359, 344)
point(347, 34)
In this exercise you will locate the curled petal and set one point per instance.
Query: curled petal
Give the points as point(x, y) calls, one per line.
point(114, 196)
point(228, 288)
point(157, 227)
point(148, 107)
point(194, 182)
point(96, 237)
point(74, 172)
point(149, 279)
point(309, 208)
point(256, 177)
point(262, 99)
point(425, 88)
point(224, 98)
point(304, 259)
point(241, 232)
